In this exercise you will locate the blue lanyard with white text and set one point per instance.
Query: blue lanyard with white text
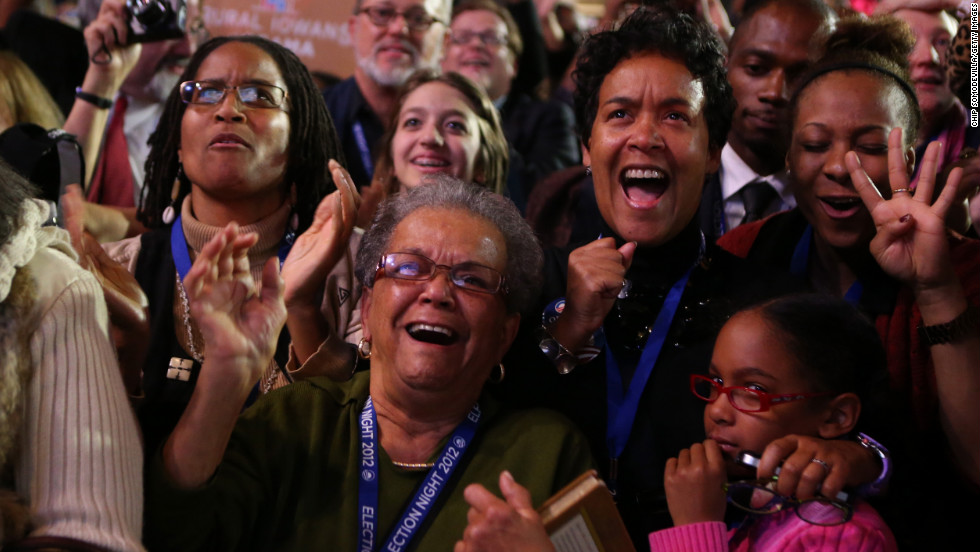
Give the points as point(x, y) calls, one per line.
point(362, 147)
point(801, 257)
point(182, 256)
point(425, 496)
point(621, 406)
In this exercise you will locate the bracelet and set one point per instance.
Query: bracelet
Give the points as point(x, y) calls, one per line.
point(565, 361)
point(97, 101)
point(964, 325)
point(877, 486)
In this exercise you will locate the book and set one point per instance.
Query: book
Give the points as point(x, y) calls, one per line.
point(582, 517)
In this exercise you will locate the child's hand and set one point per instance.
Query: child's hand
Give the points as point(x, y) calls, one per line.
point(694, 484)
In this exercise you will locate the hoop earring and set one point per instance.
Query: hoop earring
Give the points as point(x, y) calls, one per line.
point(588, 170)
point(364, 348)
point(500, 378)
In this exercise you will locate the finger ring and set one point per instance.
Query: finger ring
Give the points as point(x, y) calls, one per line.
point(900, 191)
point(967, 153)
point(823, 464)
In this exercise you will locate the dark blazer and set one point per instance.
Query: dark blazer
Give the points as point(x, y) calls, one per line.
point(543, 132)
point(347, 106)
point(711, 213)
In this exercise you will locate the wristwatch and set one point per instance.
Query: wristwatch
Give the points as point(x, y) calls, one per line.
point(964, 325)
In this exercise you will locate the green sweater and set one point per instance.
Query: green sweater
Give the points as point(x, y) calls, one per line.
point(289, 478)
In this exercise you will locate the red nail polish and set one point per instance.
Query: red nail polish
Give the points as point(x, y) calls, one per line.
point(905, 218)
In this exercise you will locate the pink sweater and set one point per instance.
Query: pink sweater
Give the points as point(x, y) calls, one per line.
point(865, 532)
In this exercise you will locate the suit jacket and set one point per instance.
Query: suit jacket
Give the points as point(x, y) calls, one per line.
point(347, 107)
point(543, 132)
point(711, 213)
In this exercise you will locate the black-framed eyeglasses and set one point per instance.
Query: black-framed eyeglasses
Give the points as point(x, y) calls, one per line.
point(416, 18)
point(489, 39)
point(756, 497)
point(259, 95)
point(745, 399)
point(469, 276)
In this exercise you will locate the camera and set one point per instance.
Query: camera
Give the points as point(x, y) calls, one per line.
point(153, 20)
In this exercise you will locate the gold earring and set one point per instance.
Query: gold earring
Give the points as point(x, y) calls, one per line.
point(364, 348)
point(499, 378)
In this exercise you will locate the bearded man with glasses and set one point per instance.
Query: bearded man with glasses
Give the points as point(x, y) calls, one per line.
point(484, 43)
point(392, 39)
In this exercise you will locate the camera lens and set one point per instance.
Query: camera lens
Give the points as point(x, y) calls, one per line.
point(148, 12)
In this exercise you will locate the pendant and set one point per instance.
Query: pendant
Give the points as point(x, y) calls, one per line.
point(180, 369)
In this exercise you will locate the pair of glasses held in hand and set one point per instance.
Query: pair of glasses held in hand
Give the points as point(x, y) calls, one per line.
point(759, 497)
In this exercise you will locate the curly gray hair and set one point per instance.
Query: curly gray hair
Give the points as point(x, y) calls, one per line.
point(524, 258)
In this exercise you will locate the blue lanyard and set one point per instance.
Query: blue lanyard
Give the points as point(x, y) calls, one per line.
point(425, 496)
point(801, 258)
point(182, 256)
point(621, 406)
point(362, 147)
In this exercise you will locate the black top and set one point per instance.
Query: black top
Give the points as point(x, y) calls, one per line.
point(669, 417)
point(165, 399)
point(347, 106)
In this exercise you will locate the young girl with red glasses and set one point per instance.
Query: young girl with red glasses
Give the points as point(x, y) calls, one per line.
point(786, 374)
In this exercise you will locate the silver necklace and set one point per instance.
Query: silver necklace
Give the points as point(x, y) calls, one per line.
point(186, 312)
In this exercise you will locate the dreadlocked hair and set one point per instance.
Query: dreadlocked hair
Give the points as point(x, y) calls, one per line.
point(312, 137)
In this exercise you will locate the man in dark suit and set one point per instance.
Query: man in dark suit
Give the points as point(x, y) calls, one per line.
point(484, 44)
point(767, 52)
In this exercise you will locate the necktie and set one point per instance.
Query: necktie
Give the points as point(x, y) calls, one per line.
point(757, 196)
point(112, 183)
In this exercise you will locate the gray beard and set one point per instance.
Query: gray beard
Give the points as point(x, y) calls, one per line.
point(160, 86)
point(393, 78)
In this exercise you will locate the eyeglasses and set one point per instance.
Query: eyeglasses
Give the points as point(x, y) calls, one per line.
point(265, 96)
point(468, 276)
point(745, 399)
point(417, 18)
point(757, 497)
point(489, 39)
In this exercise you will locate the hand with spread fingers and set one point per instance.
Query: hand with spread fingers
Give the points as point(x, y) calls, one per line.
point(239, 321)
point(509, 524)
point(312, 257)
point(912, 245)
point(911, 241)
point(694, 484)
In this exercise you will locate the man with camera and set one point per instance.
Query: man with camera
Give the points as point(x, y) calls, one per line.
point(128, 96)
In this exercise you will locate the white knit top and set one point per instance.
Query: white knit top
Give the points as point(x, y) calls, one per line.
point(80, 462)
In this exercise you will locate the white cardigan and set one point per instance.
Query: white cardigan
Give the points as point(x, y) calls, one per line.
point(80, 461)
